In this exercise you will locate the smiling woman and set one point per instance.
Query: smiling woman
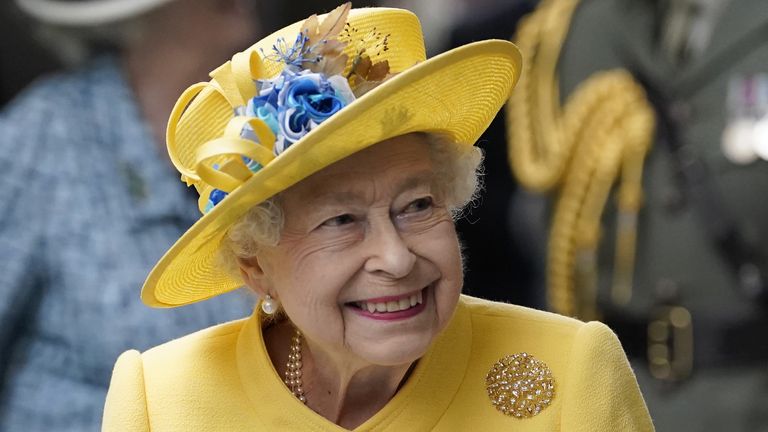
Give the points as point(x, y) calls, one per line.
point(368, 229)
point(332, 192)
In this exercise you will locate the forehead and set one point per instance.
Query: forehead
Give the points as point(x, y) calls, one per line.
point(399, 162)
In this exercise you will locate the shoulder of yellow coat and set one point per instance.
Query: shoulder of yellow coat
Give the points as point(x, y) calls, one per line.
point(201, 340)
point(504, 314)
point(601, 382)
point(205, 355)
point(126, 404)
point(175, 384)
point(509, 329)
point(500, 329)
point(595, 389)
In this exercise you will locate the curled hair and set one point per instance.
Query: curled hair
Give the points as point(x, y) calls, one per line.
point(458, 172)
point(457, 181)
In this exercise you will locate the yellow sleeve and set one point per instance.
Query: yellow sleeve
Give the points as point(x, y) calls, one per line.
point(601, 392)
point(126, 407)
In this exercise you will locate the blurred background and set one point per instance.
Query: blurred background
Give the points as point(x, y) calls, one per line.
point(625, 182)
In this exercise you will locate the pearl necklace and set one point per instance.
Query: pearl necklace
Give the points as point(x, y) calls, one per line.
point(293, 372)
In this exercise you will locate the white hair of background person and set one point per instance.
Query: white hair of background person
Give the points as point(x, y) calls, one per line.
point(72, 29)
point(86, 13)
point(75, 30)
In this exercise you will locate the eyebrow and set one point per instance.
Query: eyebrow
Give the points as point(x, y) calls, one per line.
point(425, 177)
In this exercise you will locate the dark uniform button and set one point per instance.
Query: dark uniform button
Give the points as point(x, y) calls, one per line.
point(673, 201)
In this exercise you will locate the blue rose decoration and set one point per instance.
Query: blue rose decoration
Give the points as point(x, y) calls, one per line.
point(320, 107)
point(305, 101)
point(313, 96)
point(263, 110)
point(214, 198)
point(294, 103)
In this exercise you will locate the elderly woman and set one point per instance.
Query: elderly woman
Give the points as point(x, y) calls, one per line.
point(331, 160)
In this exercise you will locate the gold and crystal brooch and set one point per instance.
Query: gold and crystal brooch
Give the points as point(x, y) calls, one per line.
point(520, 385)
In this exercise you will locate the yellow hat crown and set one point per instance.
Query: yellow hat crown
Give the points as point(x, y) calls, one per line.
point(221, 132)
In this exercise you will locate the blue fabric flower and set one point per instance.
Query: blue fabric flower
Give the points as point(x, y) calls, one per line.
point(294, 123)
point(214, 198)
point(294, 103)
point(261, 108)
point(313, 95)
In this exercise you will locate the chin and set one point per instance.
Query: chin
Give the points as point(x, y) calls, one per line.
point(397, 352)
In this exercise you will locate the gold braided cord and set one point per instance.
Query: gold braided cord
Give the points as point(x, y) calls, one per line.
point(578, 150)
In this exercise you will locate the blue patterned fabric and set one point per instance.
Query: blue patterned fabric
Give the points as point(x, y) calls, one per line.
point(89, 204)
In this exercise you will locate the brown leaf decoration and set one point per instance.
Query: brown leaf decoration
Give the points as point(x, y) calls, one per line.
point(362, 66)
point(310, 25)
point(365, 77)
point(329, 58)
point(332, 48)
point(364, 87)
point(331, 26)
point(378, 71)
point(336, 67)
point(331, 66)
point(323, 50)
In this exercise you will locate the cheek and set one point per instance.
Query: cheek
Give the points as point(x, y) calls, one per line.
point(312, 288)
point(314, 309)
point(441, 248)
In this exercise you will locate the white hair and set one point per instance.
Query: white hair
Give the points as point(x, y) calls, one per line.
point(458, 179)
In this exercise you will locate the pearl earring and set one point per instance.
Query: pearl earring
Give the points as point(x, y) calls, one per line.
point(269, 305)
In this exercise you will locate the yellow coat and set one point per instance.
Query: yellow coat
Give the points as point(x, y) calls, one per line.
point(221, 379)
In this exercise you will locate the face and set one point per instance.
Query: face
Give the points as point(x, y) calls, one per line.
point(368, 266)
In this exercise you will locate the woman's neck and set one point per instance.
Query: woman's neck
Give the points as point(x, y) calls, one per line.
point(345, 391)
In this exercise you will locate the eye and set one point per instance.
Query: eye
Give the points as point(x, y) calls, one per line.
point(339, 220)
point(418, 205)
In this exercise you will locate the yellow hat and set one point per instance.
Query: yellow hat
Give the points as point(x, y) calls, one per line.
point(226, 139)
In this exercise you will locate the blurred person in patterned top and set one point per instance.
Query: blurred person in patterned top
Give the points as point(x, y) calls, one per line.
point(80, 226)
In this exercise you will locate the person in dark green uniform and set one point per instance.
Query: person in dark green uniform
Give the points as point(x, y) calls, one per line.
point(686, 288)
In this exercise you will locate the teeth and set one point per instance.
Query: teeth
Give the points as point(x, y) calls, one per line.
point(405, 304)
point(393, 305)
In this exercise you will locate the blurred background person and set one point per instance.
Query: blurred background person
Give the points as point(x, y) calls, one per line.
point(665, 103)
point(21, 57)
point(80, 226)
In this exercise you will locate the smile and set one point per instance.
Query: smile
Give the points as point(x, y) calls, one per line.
point(394, 305)
point(391, 308)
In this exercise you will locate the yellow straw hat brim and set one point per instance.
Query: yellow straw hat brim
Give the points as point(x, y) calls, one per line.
point(455, 94)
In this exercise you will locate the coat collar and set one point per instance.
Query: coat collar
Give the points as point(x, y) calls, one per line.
point(416, 406)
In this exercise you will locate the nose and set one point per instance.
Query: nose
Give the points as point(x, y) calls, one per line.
point(389, 255)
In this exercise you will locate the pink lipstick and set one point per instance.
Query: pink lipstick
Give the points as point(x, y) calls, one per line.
point(391, 308)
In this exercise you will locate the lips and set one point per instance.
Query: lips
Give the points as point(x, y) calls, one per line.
point(391, 304)
point(392, 308)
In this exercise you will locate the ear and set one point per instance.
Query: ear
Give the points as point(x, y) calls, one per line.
point(255, 278)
